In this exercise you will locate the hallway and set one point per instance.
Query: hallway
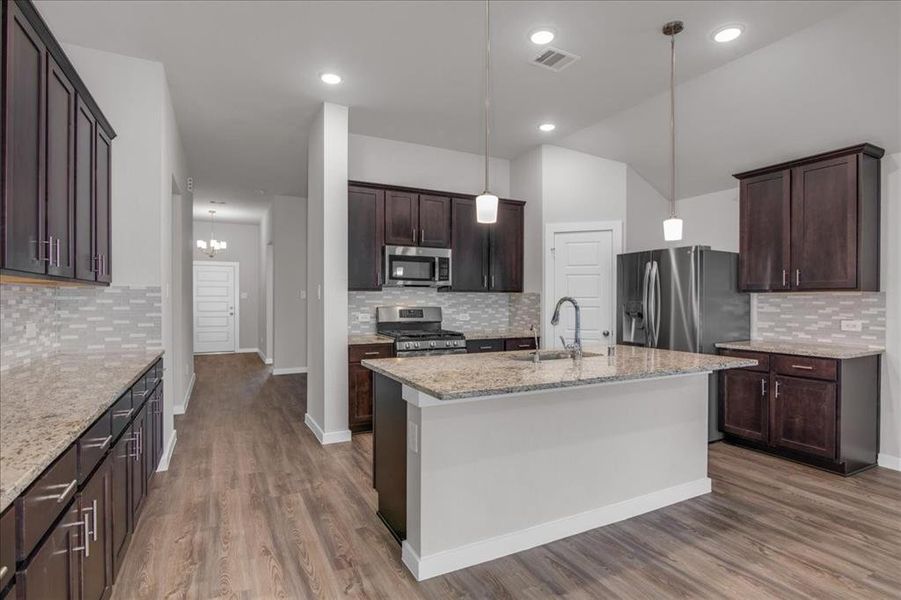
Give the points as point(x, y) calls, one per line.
point(252, 507)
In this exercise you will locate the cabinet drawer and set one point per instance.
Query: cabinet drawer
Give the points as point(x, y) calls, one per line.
point(121, 414)
point(93, 444)
point(46, 499)
point(519, 344)
point(763, 360)
point(357, 353)
point(803, 366)
point(484, 346)
point(7, 546)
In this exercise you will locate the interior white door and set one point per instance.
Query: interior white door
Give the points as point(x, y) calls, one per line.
point(583, 269)
point(214, 307)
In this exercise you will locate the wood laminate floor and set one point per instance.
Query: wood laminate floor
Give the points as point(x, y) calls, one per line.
point(253, 507)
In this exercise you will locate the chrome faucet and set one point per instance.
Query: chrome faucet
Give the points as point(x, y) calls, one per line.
point(576, 347)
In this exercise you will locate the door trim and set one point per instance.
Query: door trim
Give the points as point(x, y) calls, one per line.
point(236, 296)
point(547, 271)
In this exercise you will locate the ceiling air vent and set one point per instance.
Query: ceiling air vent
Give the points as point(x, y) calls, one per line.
point(555, 59)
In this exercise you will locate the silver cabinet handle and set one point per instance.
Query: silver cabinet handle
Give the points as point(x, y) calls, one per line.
point(373, 353)
point(69, 489)
point(103, 443)
point(124, 413)
point(803, 367)
point(492, 282)
point(776, 394)
point(58, 243)
point(414, 235)
point(484, 281)
point(49, 257)
point(485, 347)
point(94, 516)
point(3, 572)
point(784, 278)
point(525, 345)
point(763, 387)
point(797, 276)
point(87, 536)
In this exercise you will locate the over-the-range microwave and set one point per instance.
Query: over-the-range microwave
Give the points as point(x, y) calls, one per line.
point(412, 266)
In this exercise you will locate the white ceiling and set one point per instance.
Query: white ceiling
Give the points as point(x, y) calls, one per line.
point(244, 75)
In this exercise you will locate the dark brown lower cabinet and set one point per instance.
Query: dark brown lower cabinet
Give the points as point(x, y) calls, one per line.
point(138, 470)
point(823, 412)
point(53, 572)
point(96, 565)
point(120, 498)
point(156, 416)
point(745, 410)
point(359, 384)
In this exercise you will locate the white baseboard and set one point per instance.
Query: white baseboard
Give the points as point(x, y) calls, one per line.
point(167, 455)
point(331, 437)
point(288, 370)
point(180, 409)
point(266, 361)
point(889, 462)
point(504, 545)
point(247, 350)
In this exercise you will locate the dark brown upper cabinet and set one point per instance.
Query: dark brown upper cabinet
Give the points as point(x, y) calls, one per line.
point(507, 248)
point(56, 157)
point(365, 237)
point(812, 224)
point(434, 221)
point(401, 217)
point(487, 258)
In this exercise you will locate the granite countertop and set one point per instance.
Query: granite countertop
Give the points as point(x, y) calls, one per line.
point(803, 349)
point(500, 333)
point(453, 377)
point(368, 338)
point(46, 405)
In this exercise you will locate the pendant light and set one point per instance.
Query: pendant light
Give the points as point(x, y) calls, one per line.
point(672, 227)
point(486, 202)
point(212, 247)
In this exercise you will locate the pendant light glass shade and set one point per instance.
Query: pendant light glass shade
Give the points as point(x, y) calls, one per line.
point(486, 208)
point(672, 229)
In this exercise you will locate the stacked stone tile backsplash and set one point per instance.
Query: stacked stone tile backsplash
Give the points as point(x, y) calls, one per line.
point(461, 311)
point(36, 321)
point(817, 317)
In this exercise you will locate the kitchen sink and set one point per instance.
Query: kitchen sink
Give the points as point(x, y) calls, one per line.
point(552, 355)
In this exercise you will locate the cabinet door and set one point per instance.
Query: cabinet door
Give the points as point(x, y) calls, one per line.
point(435, 221)
point(53, 572)
point(401, 218)
point(120, 497)
point(365, 238)
point(743, 404)
point(824, 224)
point(803, 416)
point(102, 199)
point(85, 263)
point(507, 248)
point(765, 232)
point(25, 241)
point(96, 566)
point(60, 186)
point(360, 395)
point(469, 241)
point(138, 474)
point(148, 443)
point(158, 427)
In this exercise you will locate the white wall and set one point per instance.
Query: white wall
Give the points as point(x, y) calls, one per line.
point(243, 241)
point(327, 275)
point(289, 238)
point(147, 157)
point(380, 160)
point(265, 240)
point(890, 439)
point(526, 184)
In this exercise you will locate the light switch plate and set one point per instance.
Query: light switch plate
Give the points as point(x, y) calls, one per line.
point(852, 325)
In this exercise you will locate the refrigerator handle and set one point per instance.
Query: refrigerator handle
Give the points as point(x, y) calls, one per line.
point(645, 304)
point(657, 301)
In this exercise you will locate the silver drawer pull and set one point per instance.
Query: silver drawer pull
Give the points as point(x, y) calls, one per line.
point(124, 413)
point(376, 353)
point(103, 443)
point(3, 572)
point(485, 347)
point(525, 345)
point(69, 489)
point(803, 367)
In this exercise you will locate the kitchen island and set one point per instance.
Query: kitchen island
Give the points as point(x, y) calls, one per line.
point(478, 456)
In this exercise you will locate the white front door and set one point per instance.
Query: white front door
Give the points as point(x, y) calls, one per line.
point(214, 307)
point(583, 268)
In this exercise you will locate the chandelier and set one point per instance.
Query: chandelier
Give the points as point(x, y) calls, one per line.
point(212, 247)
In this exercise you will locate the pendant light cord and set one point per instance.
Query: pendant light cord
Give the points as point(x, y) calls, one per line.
point(672, 121)
point(487, 82)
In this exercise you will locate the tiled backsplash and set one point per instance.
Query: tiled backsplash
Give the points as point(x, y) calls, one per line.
point(36, 321)
point(460, 310)
point(817, 317)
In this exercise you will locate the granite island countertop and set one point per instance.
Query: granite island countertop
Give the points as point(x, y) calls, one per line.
point(803, 349)
point(361, 339)
point(46, 405)
point(453, 377)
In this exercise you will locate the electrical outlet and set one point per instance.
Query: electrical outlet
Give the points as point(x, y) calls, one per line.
point(31, 330)
point(852, 325)
point(413, 437)
point(463, 317)
point(363, 317)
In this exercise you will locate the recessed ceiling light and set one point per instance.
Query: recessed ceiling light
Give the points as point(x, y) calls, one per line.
point(542, 36)
point(547, 127)
point(728, 33)
point(330, 78)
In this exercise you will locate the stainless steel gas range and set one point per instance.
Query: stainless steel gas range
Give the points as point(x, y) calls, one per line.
point(417, 331)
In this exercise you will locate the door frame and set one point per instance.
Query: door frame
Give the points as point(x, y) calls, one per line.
point(236, 293)
point(547, 269)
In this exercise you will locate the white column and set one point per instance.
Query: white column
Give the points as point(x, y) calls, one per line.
point(327, 273)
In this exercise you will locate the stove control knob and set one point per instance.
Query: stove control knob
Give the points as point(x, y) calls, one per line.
point(432, 344)
point(416, 344)
point(408, 344)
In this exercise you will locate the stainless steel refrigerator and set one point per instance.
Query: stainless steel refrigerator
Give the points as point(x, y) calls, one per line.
point(682, 299)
